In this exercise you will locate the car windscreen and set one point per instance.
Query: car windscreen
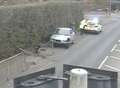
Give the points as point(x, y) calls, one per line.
point(63, 32)
point(92, 24)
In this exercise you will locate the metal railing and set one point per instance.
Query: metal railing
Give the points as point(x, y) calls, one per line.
point(12, 67)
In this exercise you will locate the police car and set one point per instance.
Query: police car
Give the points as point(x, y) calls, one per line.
point(91, 26)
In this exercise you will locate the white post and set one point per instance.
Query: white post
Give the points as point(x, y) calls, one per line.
point(78, 78)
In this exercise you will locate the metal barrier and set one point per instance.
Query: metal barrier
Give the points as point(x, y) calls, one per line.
point(12, 67)
point(96, 78)
point(37, 79)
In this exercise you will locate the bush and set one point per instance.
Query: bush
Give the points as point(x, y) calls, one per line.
point(27, 26)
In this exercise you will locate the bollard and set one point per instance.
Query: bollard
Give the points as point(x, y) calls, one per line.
point(78, 78)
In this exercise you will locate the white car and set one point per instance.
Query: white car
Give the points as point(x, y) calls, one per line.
point(90, 26)
point(63, 36)
point(93, 27)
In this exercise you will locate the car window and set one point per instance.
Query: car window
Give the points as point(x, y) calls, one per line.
point(71, 31)
point(91, 23)
point(64, 32)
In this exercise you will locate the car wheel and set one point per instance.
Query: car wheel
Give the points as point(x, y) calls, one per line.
point(72, 42)
point(54, 44)
point(67, 46)
point(100, 31)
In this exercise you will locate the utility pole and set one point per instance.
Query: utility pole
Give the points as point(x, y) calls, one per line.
point(109, 7)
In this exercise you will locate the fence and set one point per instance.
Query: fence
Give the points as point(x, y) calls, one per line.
point(12, 67)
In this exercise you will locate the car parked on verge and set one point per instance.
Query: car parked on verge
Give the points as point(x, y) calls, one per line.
point(64, 36)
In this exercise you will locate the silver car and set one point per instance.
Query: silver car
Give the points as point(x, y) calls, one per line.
point(63, 35)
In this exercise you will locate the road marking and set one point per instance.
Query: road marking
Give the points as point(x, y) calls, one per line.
point(111, 67)
point(118, 40)
point(113, 48)
point(113, 57)
point(103, 62)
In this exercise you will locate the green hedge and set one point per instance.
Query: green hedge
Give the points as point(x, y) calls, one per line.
point(27, 26)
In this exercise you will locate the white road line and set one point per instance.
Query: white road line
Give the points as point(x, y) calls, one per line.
point(111, 67)
point(113, 57)
point(118, 40)
point(113, 48)
point(103, 62)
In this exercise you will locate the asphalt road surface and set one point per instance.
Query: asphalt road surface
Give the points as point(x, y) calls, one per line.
point(89, 50)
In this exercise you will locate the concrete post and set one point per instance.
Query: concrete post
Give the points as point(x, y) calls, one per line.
point(78, 78)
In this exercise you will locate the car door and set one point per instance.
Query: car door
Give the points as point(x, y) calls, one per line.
point(72, 34)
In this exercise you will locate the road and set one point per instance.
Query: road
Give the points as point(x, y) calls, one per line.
point(89, 49)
